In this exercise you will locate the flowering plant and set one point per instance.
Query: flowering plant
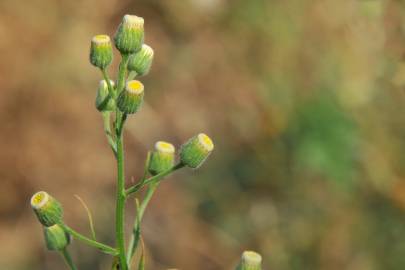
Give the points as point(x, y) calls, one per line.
point(116, 101)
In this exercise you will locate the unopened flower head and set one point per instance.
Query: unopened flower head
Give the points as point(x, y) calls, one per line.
point(130, 100)
point(101, 54)
point(130, 34)
point(104, 102)
point(48, 210)
point(162, 158)
point(250, 261)
point(141, 61)
point(56, 238)
point(194, 152)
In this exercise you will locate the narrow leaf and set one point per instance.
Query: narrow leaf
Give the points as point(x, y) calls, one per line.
point(93, 232)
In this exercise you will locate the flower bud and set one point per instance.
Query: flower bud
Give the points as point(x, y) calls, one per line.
point(101, 54)
point(48, 210)
point(130, 34)
point(141, 61)
point(130, 100)
point(162, 159)
point(250, 261)
point(56, 238)
point(102, 104)
point(194, 152)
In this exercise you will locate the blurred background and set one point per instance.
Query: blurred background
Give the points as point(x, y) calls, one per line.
point(304, 100)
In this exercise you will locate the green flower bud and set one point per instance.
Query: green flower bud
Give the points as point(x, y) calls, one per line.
point(250, 261)
point(162, 158)
point(102, 104)
point(194, 152)
point(141, 61)
point(130, 34)
point(56, 238)
point(48, 210)
point(130, 100)
point(101, 54)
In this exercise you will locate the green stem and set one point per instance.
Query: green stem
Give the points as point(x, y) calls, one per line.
point(104, 248)
point(107, 80)
point(122, 72)
point(146, 200)
point(111, 93)
point(132, 75)
point(141, 210)
point(136, 234)
point(108, 133)
point(120, 206)
point(153, 179)
point(68, 259)
point(121, 196)
point(133, 243)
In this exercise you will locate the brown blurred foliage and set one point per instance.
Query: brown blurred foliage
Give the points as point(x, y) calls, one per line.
point(304, 99)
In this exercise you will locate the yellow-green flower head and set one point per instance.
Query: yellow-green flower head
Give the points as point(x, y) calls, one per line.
point(130, 100)
point(250, 261)
point(130, 34)
point(141, 61)
point(162, 158)
point(194, 152)
point(56, 238)
point(101, 54)
point(48, 210)
point(103, 101)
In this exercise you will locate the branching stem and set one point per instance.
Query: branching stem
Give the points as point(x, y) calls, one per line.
point(154, 179)
point(104, 248)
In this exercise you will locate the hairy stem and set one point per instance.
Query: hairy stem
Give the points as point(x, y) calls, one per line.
point(107, 80)
point(108, 133)
point(120, 206)
point(104, 248)
point(153, 179)
point(111, 92)
point(132, 75)
point(133, 243)
point(120, 203)
point(141, 210)
point(122, 72)
point(68, 259)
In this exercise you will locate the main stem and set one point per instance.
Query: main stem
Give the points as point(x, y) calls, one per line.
point(120, 206)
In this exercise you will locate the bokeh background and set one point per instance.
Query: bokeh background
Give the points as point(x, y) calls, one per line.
point(303, 98)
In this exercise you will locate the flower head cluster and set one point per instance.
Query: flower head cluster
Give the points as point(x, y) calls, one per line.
point(49, 213)
point(116, 100)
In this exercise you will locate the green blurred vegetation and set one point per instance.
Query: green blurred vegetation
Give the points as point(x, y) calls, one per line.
point(304, 99)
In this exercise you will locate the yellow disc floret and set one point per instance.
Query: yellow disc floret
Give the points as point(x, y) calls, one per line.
point(252, 257)
point(101, 39)
point(39, 199)
point(206, 142)
point(164, 147)
point(133, 21)
point(134, 87)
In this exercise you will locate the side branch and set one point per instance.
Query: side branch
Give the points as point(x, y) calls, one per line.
point(104, 248)
point(154, 179)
